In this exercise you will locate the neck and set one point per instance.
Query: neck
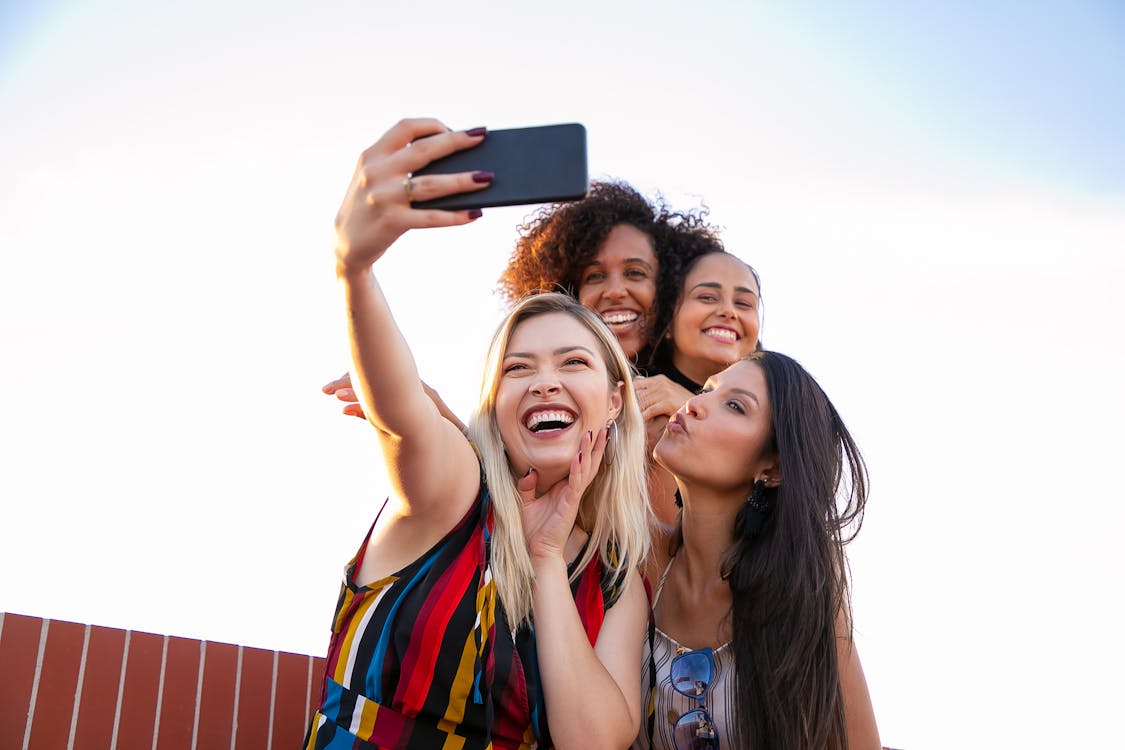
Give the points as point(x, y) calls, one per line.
point(696, 370)
point(708, 529)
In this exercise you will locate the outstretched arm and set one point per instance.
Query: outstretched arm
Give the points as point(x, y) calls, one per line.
point(376, 211)
point(342, 389)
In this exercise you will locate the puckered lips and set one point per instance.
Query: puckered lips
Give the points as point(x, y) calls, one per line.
point(722, 333)
point(619, 317)
point(548, 420)
point(676, 423)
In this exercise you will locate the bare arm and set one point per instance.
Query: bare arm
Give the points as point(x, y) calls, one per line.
point(416, 440)
point(859, 715)
point(592, 692)
point(342, 389)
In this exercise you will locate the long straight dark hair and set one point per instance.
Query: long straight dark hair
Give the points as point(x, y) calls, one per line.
point(790, 580)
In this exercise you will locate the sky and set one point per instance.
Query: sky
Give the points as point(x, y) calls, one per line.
point(932, 192)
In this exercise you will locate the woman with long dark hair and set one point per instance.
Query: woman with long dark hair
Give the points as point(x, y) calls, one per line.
point(715, 321)
point(751, 643)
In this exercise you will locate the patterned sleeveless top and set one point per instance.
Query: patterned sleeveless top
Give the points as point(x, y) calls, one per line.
point(663, 705)
point(425, 658)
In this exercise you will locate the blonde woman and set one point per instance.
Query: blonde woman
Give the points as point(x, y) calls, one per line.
point(495, 601)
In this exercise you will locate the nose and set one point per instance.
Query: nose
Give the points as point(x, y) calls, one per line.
point(615, 287)
point(692, 406)
point(543, 388)
point(726, 308)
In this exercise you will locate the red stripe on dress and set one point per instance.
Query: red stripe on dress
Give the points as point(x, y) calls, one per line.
point(589, 600)
point(509, 721)
point(420, 659)
point(350, 602)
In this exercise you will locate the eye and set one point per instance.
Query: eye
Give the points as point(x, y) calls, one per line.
point(706, 298)
point(748, 304)
point(636, 274)
point(736, 407)
point(514, 367)
point(593, 277)
point(575, 361)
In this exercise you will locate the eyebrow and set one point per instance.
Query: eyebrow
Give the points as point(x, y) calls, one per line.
point(749, 394)
point(642, 261)
point(717, 285)
point(557, 352)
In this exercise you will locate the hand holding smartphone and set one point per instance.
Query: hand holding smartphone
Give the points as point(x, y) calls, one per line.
point(544, 164)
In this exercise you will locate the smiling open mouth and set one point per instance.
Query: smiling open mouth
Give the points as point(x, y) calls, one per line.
point(545, 421)
point(722, 334)
point(620, 318)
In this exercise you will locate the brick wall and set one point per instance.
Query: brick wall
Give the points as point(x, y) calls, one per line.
point(66, 686)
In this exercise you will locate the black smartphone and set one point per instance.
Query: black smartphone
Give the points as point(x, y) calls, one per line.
point(543, 164)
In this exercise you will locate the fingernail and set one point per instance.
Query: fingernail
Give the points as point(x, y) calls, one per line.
point(474, 132)
point(475, 213)
point(483, 176)
point(529, 470)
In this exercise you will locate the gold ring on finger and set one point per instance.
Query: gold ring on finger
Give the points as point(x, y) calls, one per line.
point(408, 186)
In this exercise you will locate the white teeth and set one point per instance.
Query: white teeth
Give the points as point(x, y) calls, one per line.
point(723, 334)
point(617, 318)
point(540, 417)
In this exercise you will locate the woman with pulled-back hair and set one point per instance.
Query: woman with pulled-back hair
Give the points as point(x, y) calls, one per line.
point(751, 643)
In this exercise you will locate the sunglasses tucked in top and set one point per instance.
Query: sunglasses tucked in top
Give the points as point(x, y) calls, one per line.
point(659, 732)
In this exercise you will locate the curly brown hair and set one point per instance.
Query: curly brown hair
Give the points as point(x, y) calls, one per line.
point(559, 241)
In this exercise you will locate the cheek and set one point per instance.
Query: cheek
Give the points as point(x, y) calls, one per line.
point(752, 326)
point(587, 296)
point(506, 403)
point(645, 294)
point(683, 321)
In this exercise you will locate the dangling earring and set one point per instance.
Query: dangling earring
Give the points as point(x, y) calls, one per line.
point(757, 508)
point(610, 452)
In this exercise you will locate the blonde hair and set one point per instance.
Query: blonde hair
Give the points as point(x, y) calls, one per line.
point(614, 510)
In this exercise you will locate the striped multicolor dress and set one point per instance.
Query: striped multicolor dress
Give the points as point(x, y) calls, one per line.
point(424, 658)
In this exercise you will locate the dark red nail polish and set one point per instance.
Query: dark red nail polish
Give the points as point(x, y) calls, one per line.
point(475, 213)
point(476, 131)
point(483, 176)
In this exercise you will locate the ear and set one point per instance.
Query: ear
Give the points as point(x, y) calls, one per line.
point(770, 470)
point(616, 399)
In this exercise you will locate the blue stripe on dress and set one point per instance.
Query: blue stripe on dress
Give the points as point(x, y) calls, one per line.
point(373, 683)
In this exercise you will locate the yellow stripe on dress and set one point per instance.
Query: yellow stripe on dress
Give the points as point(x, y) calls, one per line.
point(461, 691)
point(363, 721)
point(345, 662)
